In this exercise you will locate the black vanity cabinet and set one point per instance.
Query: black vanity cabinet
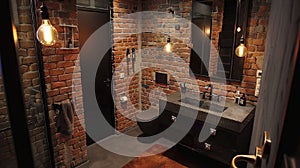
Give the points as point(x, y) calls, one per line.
point(223, 144)
point(226, 140)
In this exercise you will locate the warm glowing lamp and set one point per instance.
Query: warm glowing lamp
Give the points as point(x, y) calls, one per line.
point(241, 50)
point(46, 33)
point(207, 31)
point(168, 46)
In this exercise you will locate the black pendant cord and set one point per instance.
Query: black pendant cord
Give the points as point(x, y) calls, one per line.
point(42, 80)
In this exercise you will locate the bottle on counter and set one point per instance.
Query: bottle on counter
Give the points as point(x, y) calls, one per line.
point(70, 45)
point(237, 97)
point(242, 101)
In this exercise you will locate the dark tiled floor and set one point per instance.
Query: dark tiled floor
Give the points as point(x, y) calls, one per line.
point(101, 158)
point(192, 159)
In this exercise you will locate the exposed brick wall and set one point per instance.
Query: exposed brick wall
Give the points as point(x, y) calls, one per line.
point(216, 28)
point(154, 58)
point(7, 154)
point(258, 19)
point(63, 81)
point(258, 13)
point(125, 35)
point(62, 70)
point(30, 80)
point(157, 27)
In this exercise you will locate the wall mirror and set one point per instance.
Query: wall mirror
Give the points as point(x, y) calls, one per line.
point(219, 21)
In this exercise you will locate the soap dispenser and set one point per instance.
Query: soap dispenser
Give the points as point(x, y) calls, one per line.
point(242, 101)
point(237, 97)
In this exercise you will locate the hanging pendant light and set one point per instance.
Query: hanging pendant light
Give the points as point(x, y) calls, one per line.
point(241, 50)
point(168, 46)
point(46, 33)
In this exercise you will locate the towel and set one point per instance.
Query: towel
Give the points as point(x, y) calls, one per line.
point(38, 113)
point(65, 118)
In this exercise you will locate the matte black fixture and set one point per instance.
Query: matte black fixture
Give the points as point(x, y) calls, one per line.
point(42, 83)
point(210, 88)
point(128, 59)
point(170, 8)
point(161, 78)
point(133, 58)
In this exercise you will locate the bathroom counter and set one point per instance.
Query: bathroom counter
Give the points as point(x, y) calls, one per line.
point(234, 118)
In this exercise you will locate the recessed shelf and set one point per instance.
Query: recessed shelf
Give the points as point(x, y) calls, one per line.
point(68, 33)
point(65, 25)
point(65, 48)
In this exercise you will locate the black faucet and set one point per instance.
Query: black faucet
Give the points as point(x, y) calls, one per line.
point(210, 88)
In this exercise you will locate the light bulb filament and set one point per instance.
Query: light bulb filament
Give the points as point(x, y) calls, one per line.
point(46, 33)
point(168, 47)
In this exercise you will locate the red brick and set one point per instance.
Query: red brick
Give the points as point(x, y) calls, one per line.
point(50, 65)
point(52, 93)
point(65, 77)
point(65, 64)
point(57, 84)
point(71, 57)
point(249, 79)
point(258, 41)
point(56, 71)
point(55, 58)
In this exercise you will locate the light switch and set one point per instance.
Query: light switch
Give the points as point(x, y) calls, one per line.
point(258, 79)
point(123, 99)
point(122, 75)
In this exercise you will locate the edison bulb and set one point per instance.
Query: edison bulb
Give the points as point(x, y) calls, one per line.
point(46, 33)
point(168, 47)
point(241, 50)
point(207, 32)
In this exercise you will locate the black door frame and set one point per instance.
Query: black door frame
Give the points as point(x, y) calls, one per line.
point(290, 137)
point(111, 116)
point(13, 90)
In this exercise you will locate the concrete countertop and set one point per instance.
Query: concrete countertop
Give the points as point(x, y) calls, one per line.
point(234, 118)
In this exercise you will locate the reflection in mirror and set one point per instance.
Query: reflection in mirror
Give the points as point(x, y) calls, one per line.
point(201, 17)
point(218, 20)
point(93, 4)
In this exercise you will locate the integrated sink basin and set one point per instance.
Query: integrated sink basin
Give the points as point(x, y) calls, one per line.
point(208, 105)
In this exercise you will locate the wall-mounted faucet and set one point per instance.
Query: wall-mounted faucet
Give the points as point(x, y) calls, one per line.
point(208, 89)
point(183, 87)
point(133, 58)
point(127, 59)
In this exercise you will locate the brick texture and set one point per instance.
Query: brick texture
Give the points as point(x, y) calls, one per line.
point(62, 69)
point(154, 31)
point(63, 81)
point(125, 36)
point(7, 153)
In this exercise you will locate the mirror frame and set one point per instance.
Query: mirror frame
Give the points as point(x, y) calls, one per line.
point(235, 65)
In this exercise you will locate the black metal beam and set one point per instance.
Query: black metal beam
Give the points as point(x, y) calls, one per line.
point(41, 68)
